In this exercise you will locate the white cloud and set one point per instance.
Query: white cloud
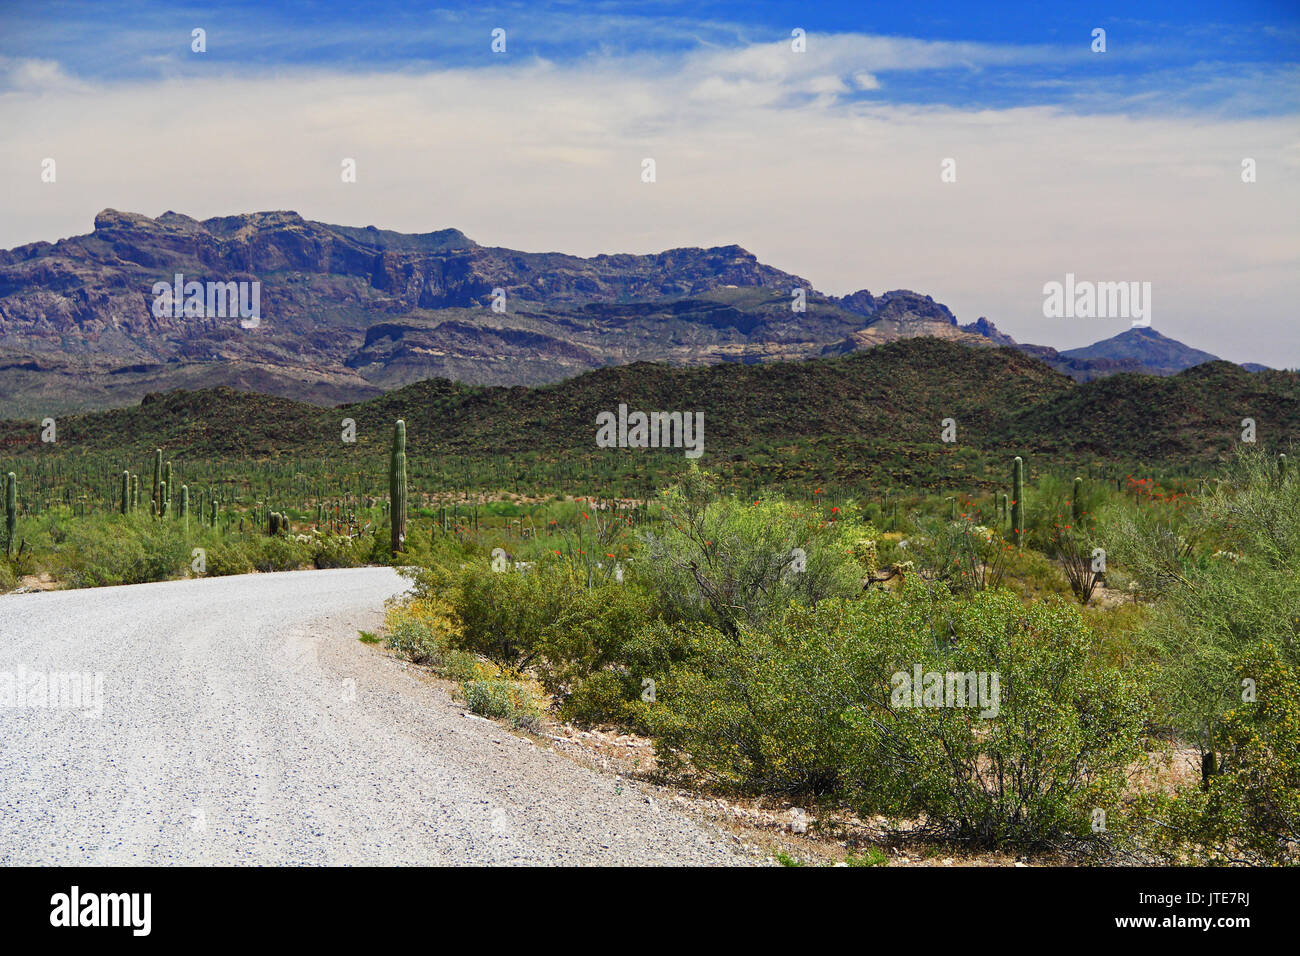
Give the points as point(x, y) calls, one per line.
point(758, 146)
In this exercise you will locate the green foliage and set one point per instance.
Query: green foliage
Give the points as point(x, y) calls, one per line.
point(962, 554)
point(1249, 812)
point(726, 562)
point(546, 617)
point(505, 700)
point(418, 639)
point(806, 704)
point(8, 578)
point(600, 698)
point(874, 856)
point(1220, 605)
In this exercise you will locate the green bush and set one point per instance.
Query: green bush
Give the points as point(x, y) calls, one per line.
point(729, 563)
point(229, 557)
point(8, 579)
point(806, 704)
point(1249, 812)
point(546, 618)
point(416, 639)
point(505, 700)
point(1220, 606)
point(338, 551)
point(600, 698)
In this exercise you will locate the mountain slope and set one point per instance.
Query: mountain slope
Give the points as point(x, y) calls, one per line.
point(865, 417)
point(348, 312)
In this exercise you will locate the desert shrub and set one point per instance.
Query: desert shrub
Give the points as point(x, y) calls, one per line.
point(507, 700)
point(1219, 606)
point(599, 698)
point(8, 579)
point(101, 551)
point(277, 554)
point(229, 557)
point(340, 551)
point(1248, 812)
point(962, 554)
point(725, 562)
point(1034, 576)
point(807, 703)
point(416, 639)
point(1066, 728)
point(546, 618)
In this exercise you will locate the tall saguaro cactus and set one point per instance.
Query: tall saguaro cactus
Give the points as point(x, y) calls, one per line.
point(1076, 502)
point(11, 512)
point(397, 487)
point(126, 492)
point(157, 483)
point(1018, 501)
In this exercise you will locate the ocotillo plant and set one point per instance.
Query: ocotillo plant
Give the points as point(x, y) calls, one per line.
point(126, 492)
point(11, 512)
point(1018, 500)
point(1076, 503)
point(397, 487)
point(157, 482)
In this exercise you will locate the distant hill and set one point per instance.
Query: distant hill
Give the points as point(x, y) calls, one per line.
point(1142, 350)
point(1152, 351)
point(856, 417)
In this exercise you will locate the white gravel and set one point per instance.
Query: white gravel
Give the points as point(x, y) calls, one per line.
point(243, 723)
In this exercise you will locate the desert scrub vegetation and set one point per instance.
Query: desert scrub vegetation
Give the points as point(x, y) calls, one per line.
point(759, 641)
point(808, 704)
point(99, 550)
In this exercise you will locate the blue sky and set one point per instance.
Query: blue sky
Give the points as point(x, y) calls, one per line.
point(1122, 166)
point(1188, 55)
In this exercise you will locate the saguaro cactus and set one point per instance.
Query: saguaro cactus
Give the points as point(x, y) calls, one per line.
point(126, 492)
point(397, 487)
point(185, 503)
point(1018, 500)
point(135, 492)
point(11, 512)
point(1076, 502)
point(1281, 467)
point(167, 483)
point(157, 482)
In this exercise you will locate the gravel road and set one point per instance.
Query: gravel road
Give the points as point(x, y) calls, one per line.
point(242, 722)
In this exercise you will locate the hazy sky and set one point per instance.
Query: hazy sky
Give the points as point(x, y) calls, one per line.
point(1122, 165)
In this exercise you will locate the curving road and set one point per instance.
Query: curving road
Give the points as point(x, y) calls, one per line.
point(240, 721)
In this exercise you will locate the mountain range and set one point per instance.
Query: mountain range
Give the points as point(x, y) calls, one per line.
point(350, 313)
